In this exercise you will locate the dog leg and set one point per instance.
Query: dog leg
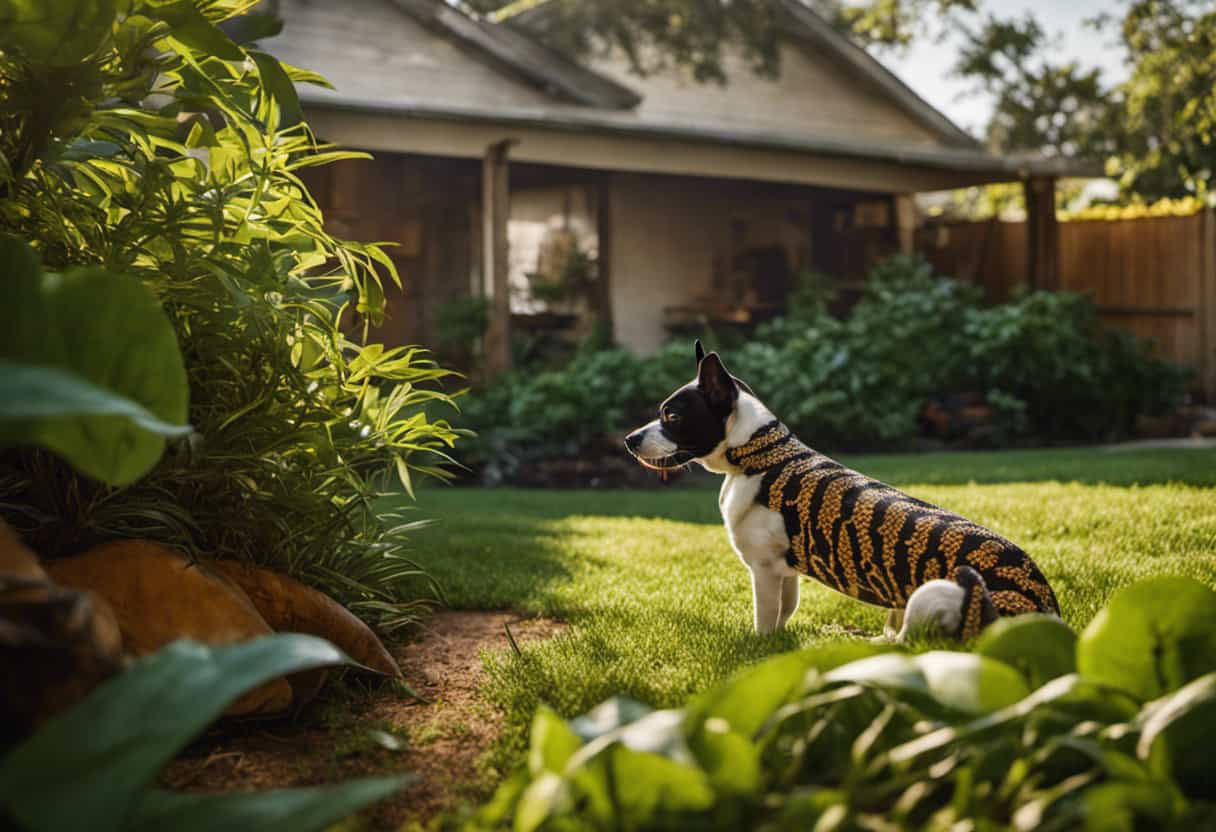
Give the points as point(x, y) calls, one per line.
point(789, 599)
point(766, 597)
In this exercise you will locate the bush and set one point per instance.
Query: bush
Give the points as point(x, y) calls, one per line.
point(146, 143)
point(1036, 728)
point(1042, 362)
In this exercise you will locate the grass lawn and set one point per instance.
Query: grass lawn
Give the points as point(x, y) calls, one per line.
point(660, 607)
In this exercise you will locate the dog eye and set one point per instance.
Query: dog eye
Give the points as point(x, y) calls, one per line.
point(668, 416)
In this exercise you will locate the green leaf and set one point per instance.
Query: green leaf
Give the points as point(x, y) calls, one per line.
point(1041, 647)
point(552, 744)
point(284, 810)
point(87, 768)
point(279, 87)
point(962, 681)
point(192, 30)
point(1178, 735)
point(547, 794)
point(116, 375)
point(608, 716)
point(1152, 638)
point(58, 33)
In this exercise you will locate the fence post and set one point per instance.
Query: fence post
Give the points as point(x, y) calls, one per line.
point(1042, 233)
point(1207, 304)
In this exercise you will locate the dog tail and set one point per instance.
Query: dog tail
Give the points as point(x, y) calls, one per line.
point(978, 609)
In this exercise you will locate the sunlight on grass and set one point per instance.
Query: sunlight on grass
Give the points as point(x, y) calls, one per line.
point(660, 607)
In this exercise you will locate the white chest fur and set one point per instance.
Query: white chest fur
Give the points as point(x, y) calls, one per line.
point(756, 532)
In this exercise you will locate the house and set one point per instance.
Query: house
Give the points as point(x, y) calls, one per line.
point(573, 194)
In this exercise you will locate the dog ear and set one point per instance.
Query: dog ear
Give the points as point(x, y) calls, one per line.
point(700, 351)
point(716, 382)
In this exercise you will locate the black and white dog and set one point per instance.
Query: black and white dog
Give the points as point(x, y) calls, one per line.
point(791, 511)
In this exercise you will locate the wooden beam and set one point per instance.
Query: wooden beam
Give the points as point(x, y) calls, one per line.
point(1042, 233)
point(905, 222)
point(603, 266)
point(495, 210)
point(1207, 305)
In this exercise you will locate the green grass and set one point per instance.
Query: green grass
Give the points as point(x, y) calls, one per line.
point(659, 606)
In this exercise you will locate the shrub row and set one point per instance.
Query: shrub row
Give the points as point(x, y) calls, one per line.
point(1042, 361)
point(1035, 729)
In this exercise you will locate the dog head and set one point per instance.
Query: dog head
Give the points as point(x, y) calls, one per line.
point(692, 420)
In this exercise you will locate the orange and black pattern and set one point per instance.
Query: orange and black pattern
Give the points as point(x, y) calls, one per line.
point(872, 542)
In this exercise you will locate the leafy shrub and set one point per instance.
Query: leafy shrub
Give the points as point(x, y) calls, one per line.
point(93, 767)
point(149, 144)
point(1042, 361)
point(1035, 729)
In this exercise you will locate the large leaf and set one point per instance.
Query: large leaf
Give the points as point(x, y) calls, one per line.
point(1178, 735)
point(962, 681)
point(1042, 647)
point(115, 384)
point(283, 810)
point(57, 33)
point(1152, 638)
point(87, 768)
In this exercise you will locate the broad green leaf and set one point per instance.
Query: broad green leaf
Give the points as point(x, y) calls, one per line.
point(552, 742)
point(279, 87)
point(87, 768)
point(1152, 637)
point(1178, 735)
point(1126, 807)
point(1041, 647)
point(110, 333)
point(642, 784)
point(547, 794)
point(731, 760)
point(189, 29)
point(309, 809)
point(748, 699)
point(58, 33)
point(33, 394)
point(962, 681)
point(608, 716)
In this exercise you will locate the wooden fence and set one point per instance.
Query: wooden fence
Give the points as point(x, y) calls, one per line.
point(1153, 276)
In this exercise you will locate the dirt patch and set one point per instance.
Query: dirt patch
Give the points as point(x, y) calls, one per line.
point(362, 731)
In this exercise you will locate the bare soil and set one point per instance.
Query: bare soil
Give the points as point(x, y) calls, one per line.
point(359, 731)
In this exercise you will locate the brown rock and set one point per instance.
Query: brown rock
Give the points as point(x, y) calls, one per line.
point(289, 606)
point(158, 596)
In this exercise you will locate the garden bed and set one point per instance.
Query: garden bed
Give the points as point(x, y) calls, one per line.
point(361, 731)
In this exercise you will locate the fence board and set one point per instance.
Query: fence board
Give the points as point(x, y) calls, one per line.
point(1149, 276)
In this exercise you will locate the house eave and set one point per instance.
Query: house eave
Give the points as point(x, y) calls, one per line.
point(976, 162)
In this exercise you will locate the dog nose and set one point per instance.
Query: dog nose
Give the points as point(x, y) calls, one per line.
point(633, 441)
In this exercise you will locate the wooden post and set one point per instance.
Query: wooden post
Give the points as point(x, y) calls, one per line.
point(495, 210)
point(603, 266)
point(1207, 304)
point(905, 222)
point(1042, 233)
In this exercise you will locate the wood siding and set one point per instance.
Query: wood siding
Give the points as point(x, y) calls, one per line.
point(1149, 276)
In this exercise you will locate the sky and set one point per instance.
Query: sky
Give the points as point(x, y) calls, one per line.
point(925, 67)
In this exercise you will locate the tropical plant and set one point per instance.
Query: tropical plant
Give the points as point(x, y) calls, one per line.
point(1035, 729)
point(93, 767)
point(137, 138)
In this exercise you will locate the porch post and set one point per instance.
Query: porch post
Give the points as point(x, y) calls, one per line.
point(495, 209)
point(1042, 233)
point(905, 222)
point(603, 266)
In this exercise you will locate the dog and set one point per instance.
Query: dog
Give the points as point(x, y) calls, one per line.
point(791, 511)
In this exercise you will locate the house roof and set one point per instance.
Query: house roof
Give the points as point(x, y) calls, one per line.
point(522, 55)
point(802, 23)
point(551, 91)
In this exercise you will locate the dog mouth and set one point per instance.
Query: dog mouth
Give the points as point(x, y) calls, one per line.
point(666, 463)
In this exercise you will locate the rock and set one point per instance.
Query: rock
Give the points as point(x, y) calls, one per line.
point(56, 644)
point(159, 595)
point(289, 606)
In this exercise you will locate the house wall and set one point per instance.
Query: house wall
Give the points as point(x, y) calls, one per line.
point(673, 242)
point(814, 94)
